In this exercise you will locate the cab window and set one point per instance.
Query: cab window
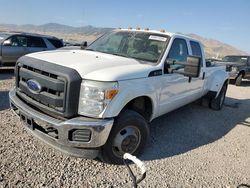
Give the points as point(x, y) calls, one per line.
point(179, 50)
point(18, 41)
point(56, 43)
point(36, 42)
point(196, 49)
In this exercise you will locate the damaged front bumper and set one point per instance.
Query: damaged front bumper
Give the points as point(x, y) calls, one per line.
point(79, 136)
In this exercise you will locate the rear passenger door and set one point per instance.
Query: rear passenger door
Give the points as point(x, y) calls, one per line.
point(36, 44)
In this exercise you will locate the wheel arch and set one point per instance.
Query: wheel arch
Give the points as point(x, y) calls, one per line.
point(142, 105)
point(242, 72)
point(217, 82)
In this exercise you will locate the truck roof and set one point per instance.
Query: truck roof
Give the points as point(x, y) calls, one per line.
point(162, 32)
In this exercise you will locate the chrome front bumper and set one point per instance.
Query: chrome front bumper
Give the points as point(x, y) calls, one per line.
point(35, 121)
point(233, 75)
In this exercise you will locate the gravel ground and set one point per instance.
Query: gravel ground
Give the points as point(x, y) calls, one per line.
point(190, 147)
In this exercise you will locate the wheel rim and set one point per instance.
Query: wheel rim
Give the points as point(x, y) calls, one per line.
point(127, 140)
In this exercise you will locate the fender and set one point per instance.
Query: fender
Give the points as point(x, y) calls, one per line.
point(129, 90)
point(217, 80)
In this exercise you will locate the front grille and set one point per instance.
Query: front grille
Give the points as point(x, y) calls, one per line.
point(58, 94)
point(53, 87)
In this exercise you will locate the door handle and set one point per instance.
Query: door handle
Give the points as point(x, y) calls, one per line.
point(203, 76)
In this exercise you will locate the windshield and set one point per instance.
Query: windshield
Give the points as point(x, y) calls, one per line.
point(138, 45)
point(3, 36)
point(236, 59)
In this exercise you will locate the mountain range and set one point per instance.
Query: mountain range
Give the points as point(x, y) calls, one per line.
point(213, 48)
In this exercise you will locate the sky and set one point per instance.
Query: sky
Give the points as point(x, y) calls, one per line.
point(225, 20)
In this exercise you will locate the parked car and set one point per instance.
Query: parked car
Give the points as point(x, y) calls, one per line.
point(238, 67)
point(99, 101)
point(15, 45)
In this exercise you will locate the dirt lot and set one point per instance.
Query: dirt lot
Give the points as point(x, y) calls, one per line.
point(190, 147)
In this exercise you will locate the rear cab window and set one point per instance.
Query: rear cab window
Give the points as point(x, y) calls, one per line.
point(196, 49)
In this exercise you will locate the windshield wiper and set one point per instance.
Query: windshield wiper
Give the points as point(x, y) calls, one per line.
point(118, 54)
point(89, 49)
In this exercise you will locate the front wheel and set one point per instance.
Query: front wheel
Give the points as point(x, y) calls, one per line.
point(218, 102)
point(238, 80)
point(128, 135)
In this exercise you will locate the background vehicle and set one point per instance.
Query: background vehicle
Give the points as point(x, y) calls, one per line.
point(99, 101)
point(15, 45)
point(238, 67)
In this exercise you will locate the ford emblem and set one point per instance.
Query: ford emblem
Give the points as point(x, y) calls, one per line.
point(34, 86)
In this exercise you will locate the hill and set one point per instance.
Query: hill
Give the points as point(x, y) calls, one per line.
point(213, 48)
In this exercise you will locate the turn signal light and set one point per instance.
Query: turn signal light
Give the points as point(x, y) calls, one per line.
point(110, 94)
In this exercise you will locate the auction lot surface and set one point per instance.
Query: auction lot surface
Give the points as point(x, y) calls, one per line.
point(191, 147)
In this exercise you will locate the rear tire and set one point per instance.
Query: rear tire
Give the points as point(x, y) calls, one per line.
point(128, 135)
point(238, 80)
point(217, 103)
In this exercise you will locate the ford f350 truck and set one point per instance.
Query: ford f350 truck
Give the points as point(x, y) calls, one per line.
point(98, 102)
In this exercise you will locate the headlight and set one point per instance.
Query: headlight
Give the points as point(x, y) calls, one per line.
point(95, 96)
point(234, 69)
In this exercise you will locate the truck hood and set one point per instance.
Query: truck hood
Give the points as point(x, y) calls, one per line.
point(97, 66)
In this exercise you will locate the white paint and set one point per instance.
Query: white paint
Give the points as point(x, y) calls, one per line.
point(167, 92)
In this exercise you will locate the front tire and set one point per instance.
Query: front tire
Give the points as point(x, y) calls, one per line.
point(238, 80)
point(217, 103)
point(128, 135)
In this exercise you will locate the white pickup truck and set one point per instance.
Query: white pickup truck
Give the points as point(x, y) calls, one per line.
point(100, 101)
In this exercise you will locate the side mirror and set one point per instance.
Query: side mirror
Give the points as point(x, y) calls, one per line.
point(84, 45)
point(7, 43)
point(208, 64)
point(192, 67)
